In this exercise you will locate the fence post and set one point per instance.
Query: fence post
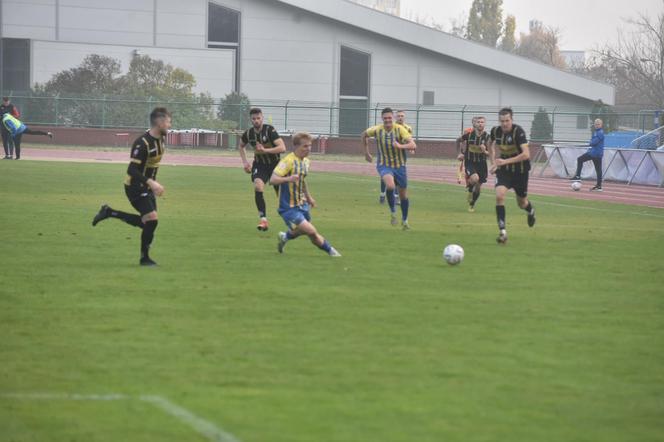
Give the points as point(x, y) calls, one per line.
point(417, 122)
point(286, 116)
point(463, 115)
point(331, 115)
point(103, 111)
point(553, 123)
point(149, 110)
point(57, 97)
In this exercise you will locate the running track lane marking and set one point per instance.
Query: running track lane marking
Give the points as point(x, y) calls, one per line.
point(206, 428)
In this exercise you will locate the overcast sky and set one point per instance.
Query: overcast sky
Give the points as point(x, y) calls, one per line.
point(585, 24)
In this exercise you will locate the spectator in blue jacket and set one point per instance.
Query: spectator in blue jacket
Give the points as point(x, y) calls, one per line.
point(594, 154)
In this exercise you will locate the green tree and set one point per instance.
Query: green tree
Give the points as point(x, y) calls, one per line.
point(235, 107)
point(96, 74)
point(542, 129)
point(485, 21)
point(95, 94)
point(508, 42)
point(605, 113)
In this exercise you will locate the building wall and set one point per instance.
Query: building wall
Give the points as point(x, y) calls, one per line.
point(286, 54)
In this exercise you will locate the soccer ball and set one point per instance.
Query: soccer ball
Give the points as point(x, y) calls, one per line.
point(453, 254)
point(576, 186)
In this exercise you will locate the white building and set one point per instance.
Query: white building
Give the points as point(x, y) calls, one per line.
point(322, 51)
point(574, 59)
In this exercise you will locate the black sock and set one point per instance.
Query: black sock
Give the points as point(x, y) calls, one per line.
point(260, 204)
point(529, 208)
point(500, 215)
point(130, 218)
point(147, 236)
point(476, 195)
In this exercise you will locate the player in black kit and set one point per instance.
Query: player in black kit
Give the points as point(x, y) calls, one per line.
point(141, 186)
point(511, 168)
point(268, 146)
point(473, 146)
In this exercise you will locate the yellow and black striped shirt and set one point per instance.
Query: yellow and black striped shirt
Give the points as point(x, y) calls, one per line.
point(146, 154)
point(509, 144)
point(474, 143)
point(267, 136)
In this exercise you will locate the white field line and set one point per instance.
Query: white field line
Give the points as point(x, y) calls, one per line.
point(200, 425)
point(204, 427)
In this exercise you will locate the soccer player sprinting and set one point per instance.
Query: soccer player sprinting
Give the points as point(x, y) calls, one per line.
point(401, 120)
point(15, 128)
point(295, 199)
point(511, 168)
point(268, 146)
point(141, 184)
point(473, 153)
point(393, 141)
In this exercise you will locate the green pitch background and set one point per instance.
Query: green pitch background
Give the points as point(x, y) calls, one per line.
point(556, 337)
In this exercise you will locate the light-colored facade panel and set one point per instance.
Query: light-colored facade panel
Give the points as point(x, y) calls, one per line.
point(91, 20)
point(19, 13)
point(178, 7)
point(115, 5)
point(181, 41)
point(106, 37)
point(29, 32)
point(181, 24)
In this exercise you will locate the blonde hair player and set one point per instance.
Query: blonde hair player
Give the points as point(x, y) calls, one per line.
point(295, 200)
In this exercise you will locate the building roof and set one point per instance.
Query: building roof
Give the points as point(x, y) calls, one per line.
point(455, 47)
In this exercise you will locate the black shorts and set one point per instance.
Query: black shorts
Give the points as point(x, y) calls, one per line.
point(477, 167)
point(513, 180)
point(141, 199)
point(262, 171)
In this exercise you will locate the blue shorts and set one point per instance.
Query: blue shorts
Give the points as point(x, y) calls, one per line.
point(399, 173)
point(294, 216)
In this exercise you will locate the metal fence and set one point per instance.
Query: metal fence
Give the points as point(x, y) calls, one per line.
point(330, 119)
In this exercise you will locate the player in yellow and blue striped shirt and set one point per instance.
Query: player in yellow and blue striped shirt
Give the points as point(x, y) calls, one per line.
point(294, 197)
point(393, 142)
point(401, 120)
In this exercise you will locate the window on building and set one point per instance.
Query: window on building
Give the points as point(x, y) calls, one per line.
point(428, 98)
point(354, 73)
point(224, 33)
point(15, 64)
point(582, 122)
point(223, 25)
point(354, 86)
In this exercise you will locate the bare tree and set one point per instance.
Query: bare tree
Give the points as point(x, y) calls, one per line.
point(542, 44)
point(636, 60)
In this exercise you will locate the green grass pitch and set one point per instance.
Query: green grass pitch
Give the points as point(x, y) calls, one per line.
point(556, 337)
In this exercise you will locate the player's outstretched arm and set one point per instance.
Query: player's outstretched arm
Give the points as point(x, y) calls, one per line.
point(492, 156)
point(365, 144)
point(243, 155)
point(307, 195)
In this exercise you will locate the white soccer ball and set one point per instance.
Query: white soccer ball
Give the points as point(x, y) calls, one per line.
point(453, 254)
point(576, 186)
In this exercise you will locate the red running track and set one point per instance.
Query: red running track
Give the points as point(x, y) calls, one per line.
point(648, 196)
